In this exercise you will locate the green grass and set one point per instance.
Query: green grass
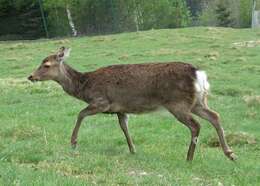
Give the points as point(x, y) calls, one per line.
point(37, 119)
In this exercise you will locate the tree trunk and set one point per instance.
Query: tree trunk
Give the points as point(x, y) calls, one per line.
point(71, 23)
point(255, 16)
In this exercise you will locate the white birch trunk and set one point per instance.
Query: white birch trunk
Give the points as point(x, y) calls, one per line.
point(255, 16)
point(138, 16)
point(136, 19)
point(71, 23)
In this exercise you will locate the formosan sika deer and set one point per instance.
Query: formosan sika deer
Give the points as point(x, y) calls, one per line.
point(178, 87)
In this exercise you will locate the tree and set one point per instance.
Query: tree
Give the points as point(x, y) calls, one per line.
point(195, 6)
point(20, 19)
point(223, 14)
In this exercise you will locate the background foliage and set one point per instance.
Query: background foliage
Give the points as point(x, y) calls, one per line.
point(21, 19)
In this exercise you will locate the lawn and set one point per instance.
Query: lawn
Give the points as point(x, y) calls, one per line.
point(37, 118)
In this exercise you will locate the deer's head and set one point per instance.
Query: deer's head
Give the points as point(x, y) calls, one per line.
point(51, 66)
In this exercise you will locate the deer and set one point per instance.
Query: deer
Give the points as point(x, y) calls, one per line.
point(123, 89)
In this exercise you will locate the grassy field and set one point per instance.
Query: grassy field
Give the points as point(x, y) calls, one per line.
point(37, 119)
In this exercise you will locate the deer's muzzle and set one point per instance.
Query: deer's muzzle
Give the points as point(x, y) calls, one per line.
point(32, 78)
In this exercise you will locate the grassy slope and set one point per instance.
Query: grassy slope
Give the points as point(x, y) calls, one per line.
point(37, 119)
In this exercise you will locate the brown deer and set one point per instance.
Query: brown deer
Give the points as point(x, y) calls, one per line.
point(136, 88)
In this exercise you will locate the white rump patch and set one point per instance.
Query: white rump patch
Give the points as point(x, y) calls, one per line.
point(201, 84)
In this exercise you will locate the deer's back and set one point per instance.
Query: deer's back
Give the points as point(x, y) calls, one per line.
point(141, 87)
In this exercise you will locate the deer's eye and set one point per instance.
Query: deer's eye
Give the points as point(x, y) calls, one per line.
point(47, 66)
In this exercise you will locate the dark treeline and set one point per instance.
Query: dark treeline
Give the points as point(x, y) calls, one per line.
point(22, 19)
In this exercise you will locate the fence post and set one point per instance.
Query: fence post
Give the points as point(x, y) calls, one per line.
point(43, 19)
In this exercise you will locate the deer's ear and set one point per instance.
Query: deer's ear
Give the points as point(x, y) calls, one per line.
point(63, 54)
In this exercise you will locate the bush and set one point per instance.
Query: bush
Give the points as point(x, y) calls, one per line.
point(226, 13)
point(208, 15)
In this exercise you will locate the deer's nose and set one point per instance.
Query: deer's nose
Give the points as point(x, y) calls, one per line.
point(30, 78)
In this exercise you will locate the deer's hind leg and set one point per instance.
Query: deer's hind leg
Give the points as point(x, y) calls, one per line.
point(202, 110)
point(183, 113)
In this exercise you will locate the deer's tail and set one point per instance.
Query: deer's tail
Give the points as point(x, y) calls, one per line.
point(201, 85)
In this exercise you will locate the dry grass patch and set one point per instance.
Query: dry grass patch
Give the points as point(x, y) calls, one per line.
point(251, 68)
point(247, 44)
point(17, 46)
point(103, 39)
point(65, 169)
point(21, 133)
point(212, 55)
point(162, 52)
point(108, 54)
point(123, 57)
point(63, 41)
point(12, 59)
point(237, 138)
point(252, 100)
point(22, 84)
point(230, 91)
point(241, 59)
point(14, 82)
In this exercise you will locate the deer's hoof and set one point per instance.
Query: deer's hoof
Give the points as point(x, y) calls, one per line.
point(231, 155)
point(74, 145)
point(132, 151)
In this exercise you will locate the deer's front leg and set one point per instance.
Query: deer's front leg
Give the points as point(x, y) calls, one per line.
point(92, 109)
point(123, 121)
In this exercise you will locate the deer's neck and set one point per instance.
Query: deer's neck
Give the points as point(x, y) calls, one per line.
point(70, 80)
